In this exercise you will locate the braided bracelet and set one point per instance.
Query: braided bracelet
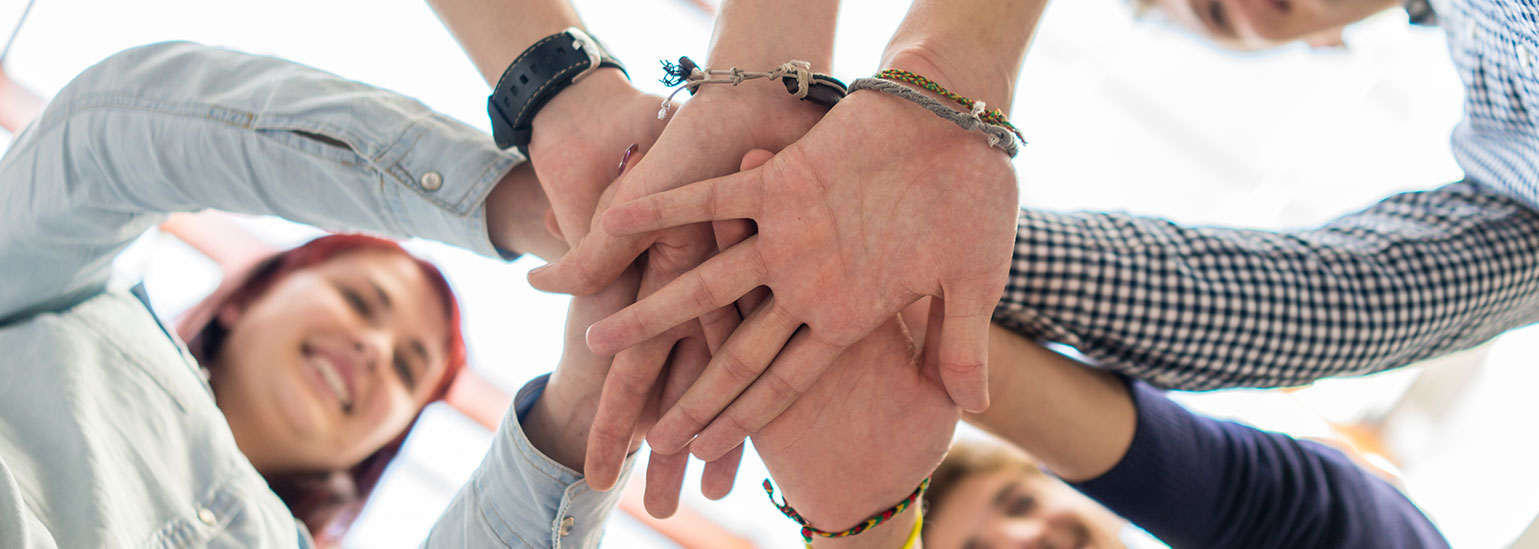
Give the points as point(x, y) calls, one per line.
point(808, 531)
point(797, 76)
point(996, 117)
point(1000, 137)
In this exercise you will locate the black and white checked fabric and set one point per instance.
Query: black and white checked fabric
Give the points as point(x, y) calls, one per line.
point(1495, 48)
point(1417, 275)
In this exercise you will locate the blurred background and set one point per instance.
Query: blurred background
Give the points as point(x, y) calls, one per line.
point(1120, 114)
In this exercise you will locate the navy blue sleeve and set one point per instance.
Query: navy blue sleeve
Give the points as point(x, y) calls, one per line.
point(1194, 481)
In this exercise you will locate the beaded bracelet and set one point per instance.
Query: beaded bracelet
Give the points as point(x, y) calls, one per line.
point(999, 137)
point(797, 76)
point(808, 531)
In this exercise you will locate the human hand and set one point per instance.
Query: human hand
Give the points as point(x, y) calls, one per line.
point(880, 204)
point(558, 422)
point(577, 140)
point(707, 138)
point(862, 438)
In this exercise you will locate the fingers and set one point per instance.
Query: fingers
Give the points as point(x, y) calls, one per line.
point(964, 350)
point(754, 158)
point(626, 390)
point(717, 480)
point(801, 363)
point(596, 261)
point(741, 360)
point(714, 284)
point(665, 479)
point(665, 472)
point(734, 196)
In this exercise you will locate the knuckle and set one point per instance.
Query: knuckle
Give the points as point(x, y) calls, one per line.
point(960, 366)
point(611, 431)
point(704, 295)
point(694, 419)
point(781, 390)
point(738, 368)
point(736, 426)
point(633, 384)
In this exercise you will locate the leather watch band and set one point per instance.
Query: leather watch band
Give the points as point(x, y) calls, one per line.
point(537, 75)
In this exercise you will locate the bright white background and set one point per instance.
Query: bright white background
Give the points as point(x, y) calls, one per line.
point(1120, 115)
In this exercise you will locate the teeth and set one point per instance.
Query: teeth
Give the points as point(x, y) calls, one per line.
point(333, 378)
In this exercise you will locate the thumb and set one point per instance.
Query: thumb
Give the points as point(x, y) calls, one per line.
point(964, 351)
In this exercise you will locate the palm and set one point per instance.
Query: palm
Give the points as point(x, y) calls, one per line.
point(860, 227)
point(880, 204)
point(864, 436)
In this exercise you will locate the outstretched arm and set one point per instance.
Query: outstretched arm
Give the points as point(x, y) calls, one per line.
point(182, 127)
point(1418, 275)
point(1190, 480)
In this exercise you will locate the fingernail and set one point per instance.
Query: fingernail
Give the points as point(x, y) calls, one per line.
point(627, 157)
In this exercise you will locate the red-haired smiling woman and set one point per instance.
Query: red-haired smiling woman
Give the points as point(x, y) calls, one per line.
point(298, 378)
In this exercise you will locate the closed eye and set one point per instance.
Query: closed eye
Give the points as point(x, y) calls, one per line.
point(356, 301)
point(1219, 17)
point(404, 369)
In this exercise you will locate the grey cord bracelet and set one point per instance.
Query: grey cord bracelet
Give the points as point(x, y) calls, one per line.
point(999, 138)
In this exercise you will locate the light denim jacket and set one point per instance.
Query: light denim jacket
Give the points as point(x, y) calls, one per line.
point(108, 435)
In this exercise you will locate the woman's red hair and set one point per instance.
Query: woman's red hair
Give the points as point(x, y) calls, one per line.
point(327, 501)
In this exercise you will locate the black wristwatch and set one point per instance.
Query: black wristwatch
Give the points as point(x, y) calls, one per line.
point(537, 75)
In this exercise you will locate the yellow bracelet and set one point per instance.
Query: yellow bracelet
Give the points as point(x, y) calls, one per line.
point(913, 536)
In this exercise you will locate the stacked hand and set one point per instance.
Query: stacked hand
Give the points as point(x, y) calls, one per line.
point(705, 139)
point(880, 204)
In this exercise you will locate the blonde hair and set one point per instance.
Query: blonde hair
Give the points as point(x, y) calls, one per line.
point(967, 459)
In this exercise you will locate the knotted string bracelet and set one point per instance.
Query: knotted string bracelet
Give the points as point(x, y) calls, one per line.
point(796, 74)
point(1001, 134)
point(995, 117)
point(808, 531)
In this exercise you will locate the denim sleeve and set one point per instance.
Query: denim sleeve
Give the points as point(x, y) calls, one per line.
point(518, 497)
point(1418, 275)
point(182, 127)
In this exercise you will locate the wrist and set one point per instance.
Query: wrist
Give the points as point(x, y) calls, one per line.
point(581, 104)
point(555, 426)
point(802, 29)
point(976, 78)
point(887, 535)
point(854, 510)
point(515, 216)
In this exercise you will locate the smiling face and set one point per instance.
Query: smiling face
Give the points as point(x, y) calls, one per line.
point(1260, 24)
point(331, 362)
point(1015, 508)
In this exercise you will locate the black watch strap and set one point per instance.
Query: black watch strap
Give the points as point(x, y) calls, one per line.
point(536, 76)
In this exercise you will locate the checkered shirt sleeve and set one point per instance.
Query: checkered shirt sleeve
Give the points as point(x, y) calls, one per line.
point(1417, 275)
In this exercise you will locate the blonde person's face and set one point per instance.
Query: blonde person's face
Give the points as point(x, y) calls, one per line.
point(1011, 508)
point(1260, 24)
point(332, 362)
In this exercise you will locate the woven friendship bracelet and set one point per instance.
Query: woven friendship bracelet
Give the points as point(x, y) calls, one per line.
point(808, 531)
point(995, 117)
point(999, 137)
point(797, 76)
